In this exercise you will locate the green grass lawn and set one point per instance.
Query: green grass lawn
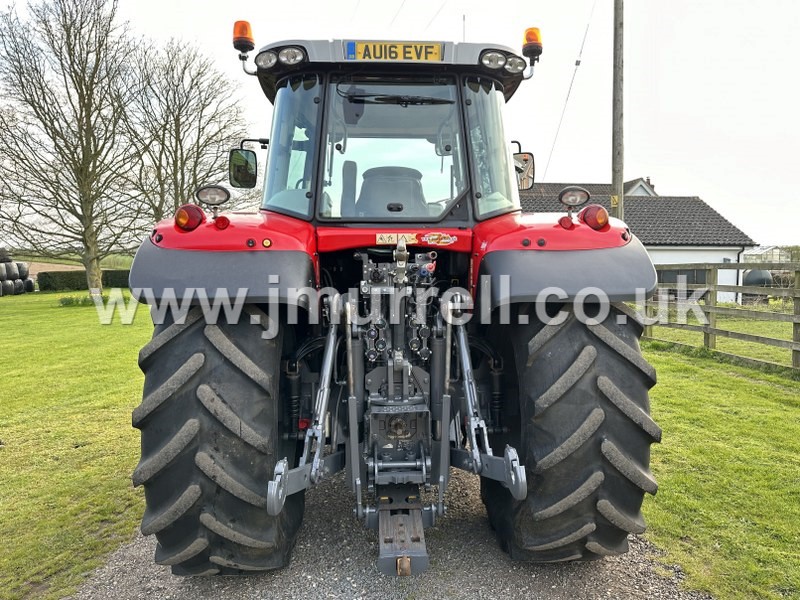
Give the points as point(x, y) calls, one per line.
point(66, 443)
point(772, 329)
point(728, 508)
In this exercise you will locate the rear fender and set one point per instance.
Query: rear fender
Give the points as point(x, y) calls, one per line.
point(624, 273)
point(157, 273)
point(524, 258)
point(263, 256)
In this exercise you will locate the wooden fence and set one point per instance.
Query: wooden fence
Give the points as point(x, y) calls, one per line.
point(666, 297)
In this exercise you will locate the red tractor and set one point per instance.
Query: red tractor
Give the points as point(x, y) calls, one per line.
point(390, 312)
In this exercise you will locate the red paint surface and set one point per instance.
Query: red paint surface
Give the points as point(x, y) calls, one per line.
point(330, 239)
point(283, 233)
point(540, 232)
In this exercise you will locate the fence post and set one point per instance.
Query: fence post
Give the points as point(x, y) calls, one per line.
point(796, 324)
point(710, 339)
point(648, 313)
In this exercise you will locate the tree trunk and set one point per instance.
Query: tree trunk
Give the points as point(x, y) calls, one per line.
point(91, 262)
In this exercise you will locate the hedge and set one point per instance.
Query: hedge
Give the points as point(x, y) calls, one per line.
point(59, 281)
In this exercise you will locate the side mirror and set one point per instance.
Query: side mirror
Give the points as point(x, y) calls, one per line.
point(525, 167)
point(242, 168)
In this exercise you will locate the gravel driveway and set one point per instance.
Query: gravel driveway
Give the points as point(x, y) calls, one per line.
point(335, 558)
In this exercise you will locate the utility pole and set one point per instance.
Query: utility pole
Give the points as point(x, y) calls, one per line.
point(617, 141)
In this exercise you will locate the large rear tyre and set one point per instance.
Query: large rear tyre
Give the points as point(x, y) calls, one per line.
point(584, 434)
point(212, 424)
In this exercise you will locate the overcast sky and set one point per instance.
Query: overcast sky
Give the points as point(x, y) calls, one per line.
point(711, 86)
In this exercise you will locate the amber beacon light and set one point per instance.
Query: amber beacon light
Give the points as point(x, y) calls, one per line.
point(243, 37)
point(532, 46)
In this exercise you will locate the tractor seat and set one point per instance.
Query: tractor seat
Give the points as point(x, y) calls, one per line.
point(391, 192)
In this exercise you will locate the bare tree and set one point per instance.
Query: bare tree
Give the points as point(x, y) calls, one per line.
point(63, 143)
point(184, 120)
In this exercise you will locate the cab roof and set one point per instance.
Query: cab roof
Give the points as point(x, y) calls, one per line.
point(341, 56)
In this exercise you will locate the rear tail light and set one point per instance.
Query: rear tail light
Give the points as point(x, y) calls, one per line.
point(222, 222)
point(595, 216)
point(189, 217)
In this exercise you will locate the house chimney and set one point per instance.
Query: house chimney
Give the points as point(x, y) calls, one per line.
point(647, 179)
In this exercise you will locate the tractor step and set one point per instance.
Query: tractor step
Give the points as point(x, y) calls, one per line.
point(402, 542)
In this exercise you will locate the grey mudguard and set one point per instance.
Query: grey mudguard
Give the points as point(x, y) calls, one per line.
point(264, 275)
point(618, 272)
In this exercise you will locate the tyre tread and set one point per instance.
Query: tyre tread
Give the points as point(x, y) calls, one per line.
point(629, 354)
point(233, 535)
point(236, 356)
point(617, 518)
point(574, 497)
point(167, 335)
point(585, 434)
point(625, 465)
point(581, 435)
point(190, 550)
point(215, 470)
point(629, 407)
point(171, 513)
point(150, 467)
point(567, 380)
point(217, 406)
point(167, 389)
point(562, 539)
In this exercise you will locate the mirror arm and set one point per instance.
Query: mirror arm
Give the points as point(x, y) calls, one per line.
point(263, 141)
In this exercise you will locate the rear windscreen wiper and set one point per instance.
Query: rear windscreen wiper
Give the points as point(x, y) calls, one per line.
point(402, 100)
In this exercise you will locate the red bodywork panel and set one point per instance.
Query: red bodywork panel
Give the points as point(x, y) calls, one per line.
point(268, 232)
point(330, 239)
point(541, 232)
point(283, 233)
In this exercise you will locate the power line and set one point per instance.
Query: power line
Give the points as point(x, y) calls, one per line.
point(569, 91)
point(433, 18)
point(402, 4)
point(355, 10)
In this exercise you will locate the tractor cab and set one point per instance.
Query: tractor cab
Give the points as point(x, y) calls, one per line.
point(389, 131)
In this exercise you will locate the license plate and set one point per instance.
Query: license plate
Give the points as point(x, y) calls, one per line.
point(394, 51)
